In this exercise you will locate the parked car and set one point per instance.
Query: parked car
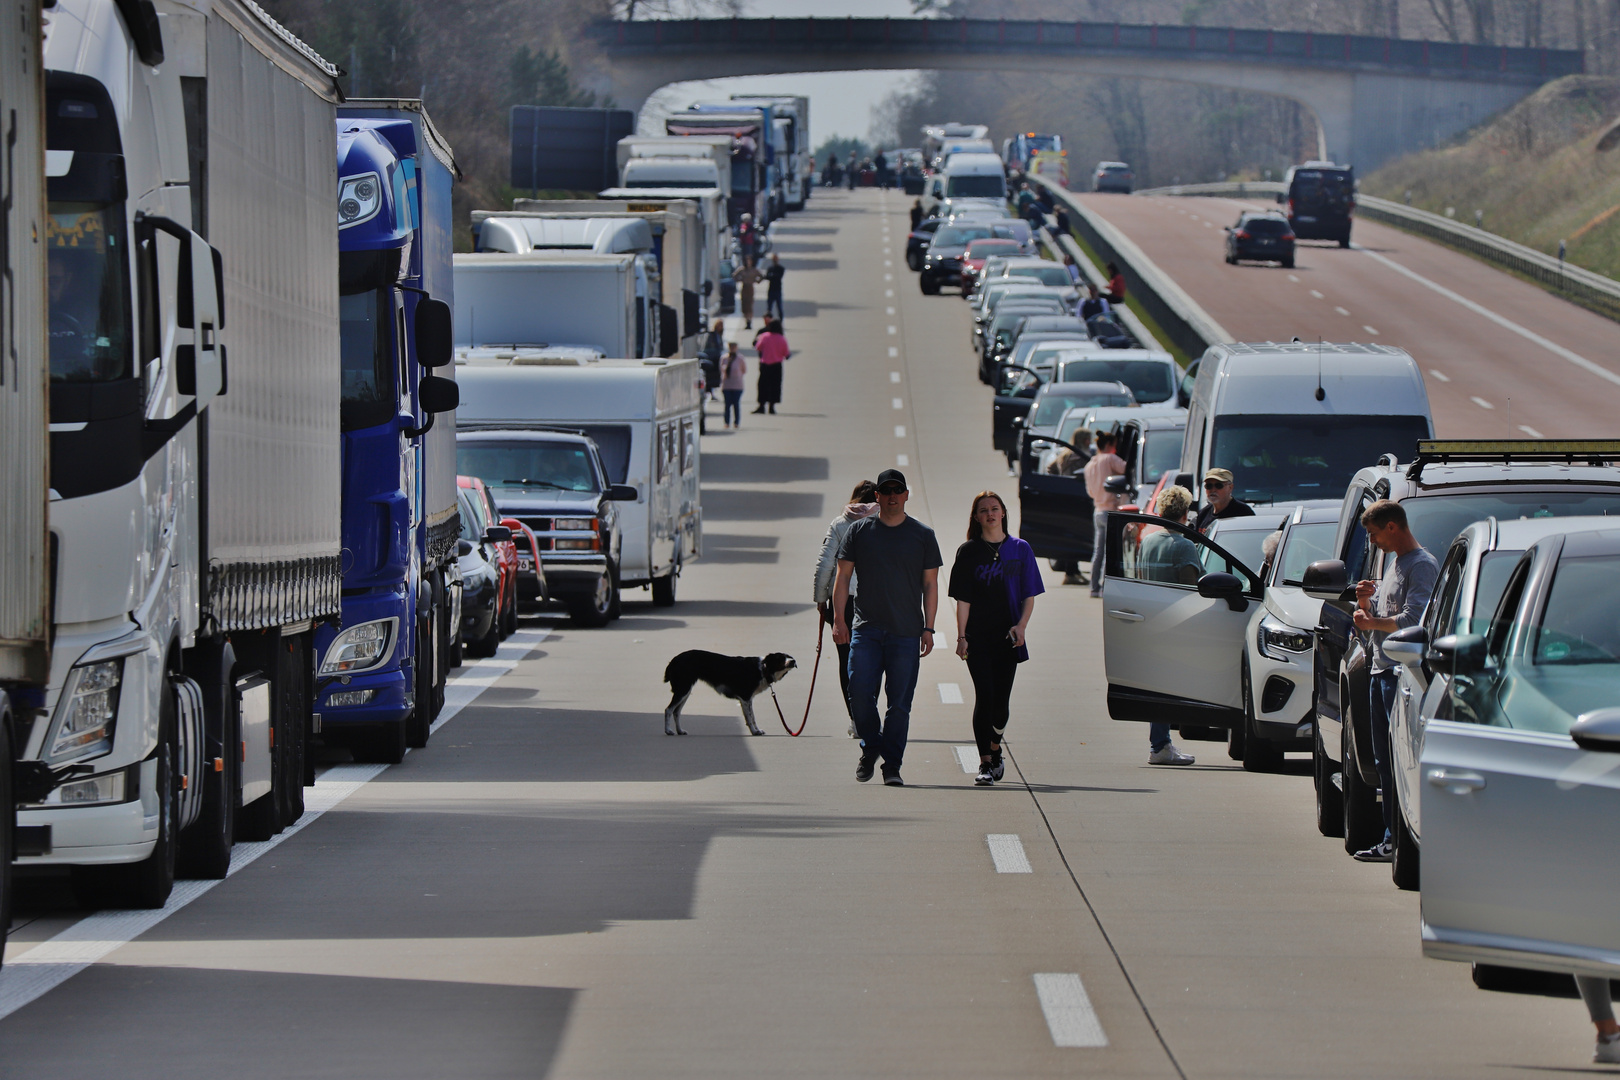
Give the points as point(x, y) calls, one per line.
point(1150, 444)
point(499, 539)
point(1038, 352)
point(994, 292)
point(1017, 422)
point(1446, 487)
point(942, 260)
point(1152, 375)
point(1033, 330)
point(1260, 235)
point(918, 240)
point(1112, 176)
point(1044, 271)
point(1321, 201)
point(977, 252)
point(1000, 331)
point(479, 627)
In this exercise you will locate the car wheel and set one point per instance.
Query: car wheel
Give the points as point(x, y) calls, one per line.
point(929, 286)
point(1329, 802)
point(913, 262)
point(1404, 870)
point(1363, 823)
point(663, 590)
point(595, 609)
point(1288, 264)
point(1258, 754)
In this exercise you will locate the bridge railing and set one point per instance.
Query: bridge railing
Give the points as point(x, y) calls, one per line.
point(1087, 38)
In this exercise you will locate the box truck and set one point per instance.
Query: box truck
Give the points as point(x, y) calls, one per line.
point(750, 155)
point(570, 298)
point(675, 161)
point(792, 121)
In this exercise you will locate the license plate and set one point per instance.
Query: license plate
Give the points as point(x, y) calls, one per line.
point(525, 564)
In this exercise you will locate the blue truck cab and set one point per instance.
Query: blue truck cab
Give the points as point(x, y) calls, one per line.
point(381, 675)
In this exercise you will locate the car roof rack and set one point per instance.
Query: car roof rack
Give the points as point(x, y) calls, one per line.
point(1595, 452)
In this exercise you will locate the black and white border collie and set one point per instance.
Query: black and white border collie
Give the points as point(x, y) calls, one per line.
point(740, 678)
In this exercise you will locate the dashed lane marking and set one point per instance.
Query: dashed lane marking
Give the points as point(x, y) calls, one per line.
point(1340, 310)
point(1007, 852)
point(902, 460)
point(1482, 403)
point(894, 351)
point(899, 431)
point(1294, 278)
point(1318, 295)
point(49, 964)
point(950, 693)
point(894, 376)
point(888, 292)
point(1442, 376)
point(1069, 1015)
point(898, 403)
point(1370, 330)
point(893, 330)
point(889, 312)
point(1530, 431)
point(967, 757)
point(888, 277)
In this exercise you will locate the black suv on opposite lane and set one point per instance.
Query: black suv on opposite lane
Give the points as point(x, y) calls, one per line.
point(1264, 236)
point(1321, 199)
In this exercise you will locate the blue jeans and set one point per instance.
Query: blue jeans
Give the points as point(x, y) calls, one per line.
point(1099, 547)
point(875, 654)
point(732, 413)
point(1158, 736)
point(1381, 686)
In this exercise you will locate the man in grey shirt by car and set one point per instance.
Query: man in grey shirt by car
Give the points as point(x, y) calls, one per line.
point(1382, 607)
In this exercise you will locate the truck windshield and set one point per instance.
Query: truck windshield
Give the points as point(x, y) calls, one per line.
point(976, 187)
point(1279, 458)
point(529, 465)
point(367, 358)
point(742, 176)
point(89, 292)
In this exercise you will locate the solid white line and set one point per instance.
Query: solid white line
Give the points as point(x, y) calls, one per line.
point(1442, 376)
point(894, 376)
point(1007, 852)
point(894, 351)
point(968, 758)
point(50, 963)
point(1069, 1015)
point(1482, 403)
point(899, 431)
point(1507, 324)
point(1530, 431)
point(1370, 330)
point(902, 460)
point(898, 403)
point(950, 693)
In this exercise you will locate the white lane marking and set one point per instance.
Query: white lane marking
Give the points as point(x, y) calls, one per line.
point(889, 311)
point(1069, 1015)
point(902, 460)
point(1482, 403)
point(1505, 323)
point(899, 431)
point(1007, 852)
point(1442, 376)
point(1209, 225)
point(888, 277)
point(1530, 431)
point(893, 330)
point(888, 262)
point(898, 403)
point(51, 963)
point(968, 758)
point(950, 693)
point(894, 351)
point(1340, 310)
point(888, 292)
point(1370, 330)
point(894, 376)
point(1318, 295)
point(1293, 278)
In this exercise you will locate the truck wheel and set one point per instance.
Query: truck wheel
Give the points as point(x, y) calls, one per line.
point(597, 608)
point(294, 668)
point(663, 590)
point(1363, 823)
point(1329, 802)
point(145, 884)
point(421, 717)
point(205, 846)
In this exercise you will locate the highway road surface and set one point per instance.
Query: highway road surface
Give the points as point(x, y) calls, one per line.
point(554, 888)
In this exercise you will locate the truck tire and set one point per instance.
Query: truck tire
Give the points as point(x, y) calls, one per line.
point(663, 590)
point(596, 609)
point(146, 884)
point(423, 667)
point(294, 711)
point(205, 846)
point(1329, 802)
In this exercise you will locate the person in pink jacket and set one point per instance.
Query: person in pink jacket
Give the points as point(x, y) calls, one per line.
point(733, 369)
point(773, 351)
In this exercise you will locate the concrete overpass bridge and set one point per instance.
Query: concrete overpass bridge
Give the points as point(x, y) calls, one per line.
point(1374, 98)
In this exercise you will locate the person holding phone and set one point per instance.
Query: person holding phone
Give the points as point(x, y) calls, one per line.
point(994, 582)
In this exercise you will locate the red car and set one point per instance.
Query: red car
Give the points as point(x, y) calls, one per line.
point(531, 575)
point(506, 554)
point(977, 252)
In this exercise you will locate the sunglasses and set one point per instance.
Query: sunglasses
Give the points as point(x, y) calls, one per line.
point(1214, 485)
point(891, 491)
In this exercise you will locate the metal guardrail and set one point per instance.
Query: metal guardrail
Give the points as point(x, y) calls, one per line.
point(1065, 245)
point(1589, 289)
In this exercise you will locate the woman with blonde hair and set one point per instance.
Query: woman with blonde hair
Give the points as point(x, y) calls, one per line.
point(994, 582)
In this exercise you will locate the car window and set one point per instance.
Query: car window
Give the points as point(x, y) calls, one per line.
point(983, 249)
point(1046, 275)
point(1149, 380)
point(1440, 607)
point(1438, 517)
point(1305, 543)
point(529, 465)
point(1507, 608)
point(1052, 407)
point(1171, 555)
point(1162, 453)
point(1581, 622)
point(1243, 544)
point(1265, 226)
point(961, 235)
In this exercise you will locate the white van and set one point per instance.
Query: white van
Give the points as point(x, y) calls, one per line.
point(1293, 421)
point(643, 417)
point(973, 176)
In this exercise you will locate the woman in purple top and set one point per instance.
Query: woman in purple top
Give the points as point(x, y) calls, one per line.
point(994, 582)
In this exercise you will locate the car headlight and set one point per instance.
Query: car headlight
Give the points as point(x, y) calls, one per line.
point(86, 714)
point(360, 648)
point(359, 199)
point(573, 524)
point(1278, 637)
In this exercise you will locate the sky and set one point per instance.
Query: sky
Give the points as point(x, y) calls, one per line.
point(840, 102)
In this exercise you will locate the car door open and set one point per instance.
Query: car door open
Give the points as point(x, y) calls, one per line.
point(1175, 610)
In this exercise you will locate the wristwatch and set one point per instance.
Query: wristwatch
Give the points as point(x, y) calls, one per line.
point(928, 629)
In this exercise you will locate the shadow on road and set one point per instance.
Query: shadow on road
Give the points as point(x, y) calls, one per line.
point(760, 505)
point(761, 469)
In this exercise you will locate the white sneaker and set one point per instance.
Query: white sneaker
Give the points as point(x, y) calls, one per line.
point(1608, 1050)
point(1169, 755)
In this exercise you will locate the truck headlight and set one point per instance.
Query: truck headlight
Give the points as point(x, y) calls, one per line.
point(86, 714)
point(359, 199)
point(573, 524)
point(360, 648)
point(1278, 637)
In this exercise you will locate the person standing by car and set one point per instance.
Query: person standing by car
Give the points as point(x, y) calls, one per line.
point(746, 279)
point(1219, 502)
point(916, 213)
point(773, 288)
point(773, 350)
point(747, 239)
point(733, 381)
point(897, 558)
point(1103, 464)
point(994, 582)
point(881, 164)
point(1382, 607)
point(714, 347)
point(1116, 285)
point(1594, 990)
point(861, 505)
point(1167, 555)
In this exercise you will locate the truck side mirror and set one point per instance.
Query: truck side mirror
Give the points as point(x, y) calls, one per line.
point(438, 395)
point(622, 493)
point(434, 344)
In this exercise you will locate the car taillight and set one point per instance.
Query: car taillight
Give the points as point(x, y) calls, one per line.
point(1287, 236)
point(1241, 235)
point(1290, 207)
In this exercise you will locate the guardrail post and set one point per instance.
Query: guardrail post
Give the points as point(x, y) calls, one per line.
point(1001, 32)
point(1310, 45)
point(1153, 36)
point(1270, 40)
point(1080, 36)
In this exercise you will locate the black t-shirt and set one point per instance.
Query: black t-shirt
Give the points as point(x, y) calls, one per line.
point(1235, 508)
point(889, 562)
point(976, 578)
point(773, 276)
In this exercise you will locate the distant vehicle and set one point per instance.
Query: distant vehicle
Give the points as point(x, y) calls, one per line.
point(913, 175)
point(1036, 350)
point(1113, 176)
point(971, 175)
point(934, 135)
point(1001, 331)
point(1151, 375)
point(1032, 330)
point(942, 260)
point(1321, 201)
point(1262, 236)
point(1018, 151)
point(977, 252)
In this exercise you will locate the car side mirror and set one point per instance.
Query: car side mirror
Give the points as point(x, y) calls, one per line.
point(497, 534)
point(464, 547)
point(1119, 485)
point(1018, 421)
point(1409, 646)
point(622, 493)
point(1325, 579)
point(434, 344)
point(1221, 586)
point(1597, 730)
point(1458, 654)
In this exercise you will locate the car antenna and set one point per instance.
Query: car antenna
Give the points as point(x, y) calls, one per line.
point(1320, 393)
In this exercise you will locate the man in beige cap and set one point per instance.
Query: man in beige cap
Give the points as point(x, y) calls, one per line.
point(1219, 501)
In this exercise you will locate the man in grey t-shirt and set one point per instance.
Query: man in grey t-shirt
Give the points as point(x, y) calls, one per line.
point(1382, 607)
point(898, 560)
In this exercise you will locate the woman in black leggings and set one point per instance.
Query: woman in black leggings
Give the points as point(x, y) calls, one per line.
point(994, 582)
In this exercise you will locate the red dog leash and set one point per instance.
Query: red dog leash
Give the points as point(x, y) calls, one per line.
point(821, 630)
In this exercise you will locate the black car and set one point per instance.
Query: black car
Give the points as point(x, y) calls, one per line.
point(942, 261)
point(919, 239)
point(1263, 236)
point(479, 632)
point(1000, 331)
point(1033, 328)
point(1321, 200)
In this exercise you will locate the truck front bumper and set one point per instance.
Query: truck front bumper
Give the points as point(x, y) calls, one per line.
point(105, 833)
point(570, 574)
point(383, 694)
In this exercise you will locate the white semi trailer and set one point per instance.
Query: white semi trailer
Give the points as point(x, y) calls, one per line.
point(191, 237)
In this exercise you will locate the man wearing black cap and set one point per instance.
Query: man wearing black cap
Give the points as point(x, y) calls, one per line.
point(898, 561)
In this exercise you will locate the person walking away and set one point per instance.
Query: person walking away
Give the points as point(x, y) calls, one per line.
point(1594, 991)
point(773, 350)
point(862, 504)
point(746, 279)
point(1093, 305)
point(881, 164)
point(773, 287)
point(897, 558)
point(1116, 285)
point(916, 213)
point(1219, 500)
point(714, 347)
point(1103, 464)
point(854, 170)
point(1383, 607)
point(994, 582)
point(733, 381)
point(1167, 555)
